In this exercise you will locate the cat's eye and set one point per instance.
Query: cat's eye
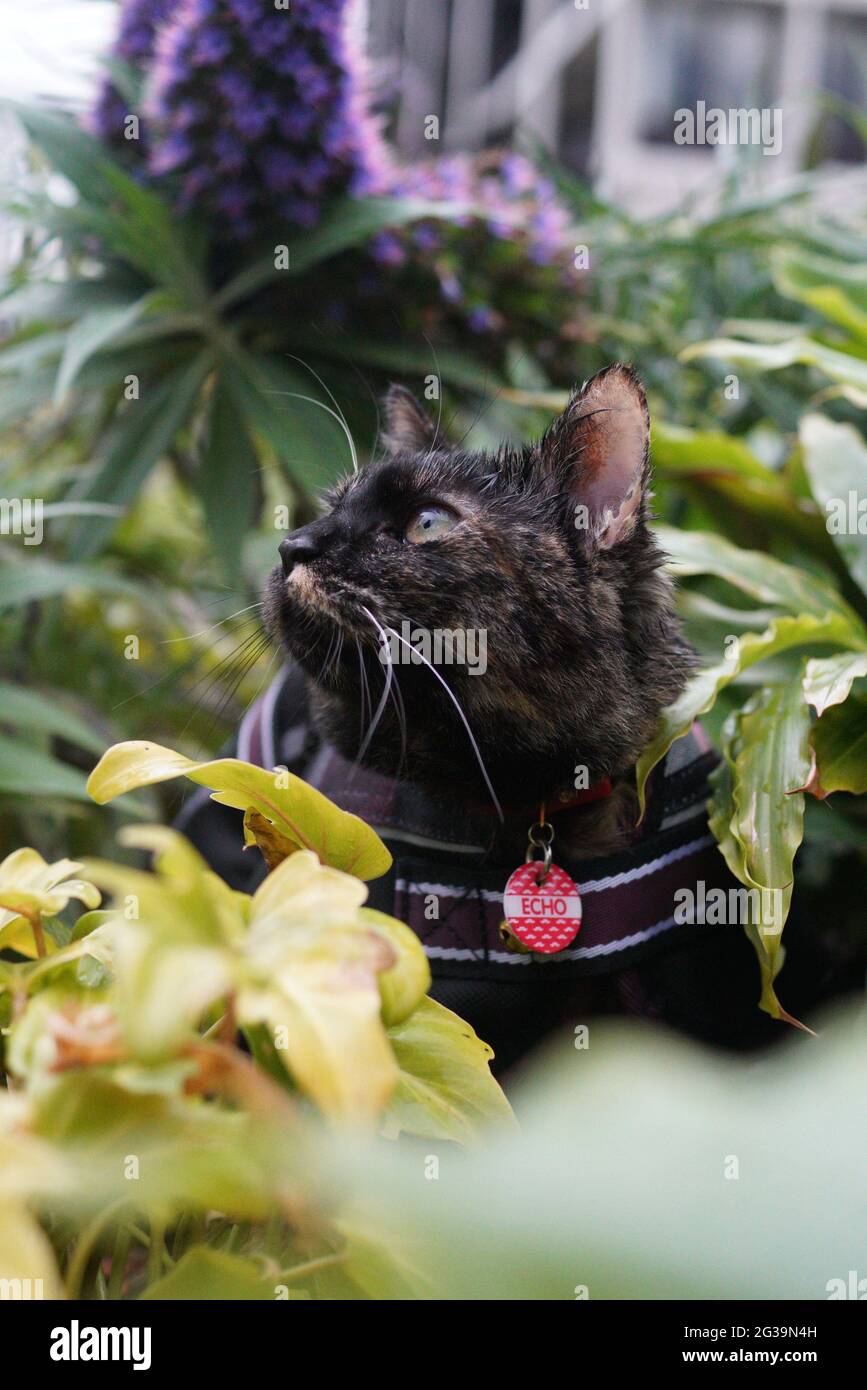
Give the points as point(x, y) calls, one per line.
point(429, 524)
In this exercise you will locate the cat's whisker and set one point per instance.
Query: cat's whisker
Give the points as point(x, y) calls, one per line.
point(334, 402)
point(189, 636)
point(311, 400)
point(364, 691)
point(383, 699)
point(463, 718)
point(400, 710)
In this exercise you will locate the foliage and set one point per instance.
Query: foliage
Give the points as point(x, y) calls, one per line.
point(126, 1022)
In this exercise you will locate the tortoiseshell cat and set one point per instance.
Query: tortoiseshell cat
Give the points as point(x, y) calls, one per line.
point(546, 551)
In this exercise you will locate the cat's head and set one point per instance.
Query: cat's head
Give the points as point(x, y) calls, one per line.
point(529, 579)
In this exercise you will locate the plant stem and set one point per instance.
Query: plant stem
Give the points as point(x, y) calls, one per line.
point(84, 1247)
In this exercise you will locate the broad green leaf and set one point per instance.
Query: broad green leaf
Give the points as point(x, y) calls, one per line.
point(302, 892)
point(403, 985)
point(28, 771)
point(610, 1189)
point(840, 744)
point(829, 679)
point(227, 478)
point(322, 1006)
point(445, 1089)
point(701, 691)
point(311, 966)
point(183, 900)
point(829, 285)
point(677, 451)
point(145, 431)
point(285, 408)
point(191, 1156)
point(162, 990)
point(30, 887)
point(91, 334)
point(29, 709)
point(769, 357)
point(379, 1264)
point(203, 1273)
point(40, 579)
point(771, 763)
point(835, 457)
point(751, 571)
point(27, 1260)
point(300, 813)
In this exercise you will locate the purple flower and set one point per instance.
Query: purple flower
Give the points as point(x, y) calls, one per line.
point(134, 45)
point(257, 117)
point(282, 108)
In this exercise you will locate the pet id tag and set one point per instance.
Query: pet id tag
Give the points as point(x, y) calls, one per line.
point(541, 902)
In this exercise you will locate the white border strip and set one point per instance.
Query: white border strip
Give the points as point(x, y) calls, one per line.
point(605, 948)
point(598, 885)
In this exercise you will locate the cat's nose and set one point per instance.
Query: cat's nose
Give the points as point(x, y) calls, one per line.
point(297, 549)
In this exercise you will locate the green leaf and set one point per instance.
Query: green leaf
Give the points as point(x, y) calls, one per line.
point(227, 478)
point(26, 1253)
point(769, 357)
point(677, 451)
point(610, 1189)
point(279, 404)
point(770, 764)
point(203, 1273)
point(28, 709)
point(445, 1089)
point(835, 457)
point(145, 431)
point(751, 571)
point(701, 691)
point(301, 814)
point(92, 333)
point(829, 679)
point(41, 579)
point(311, 973)
point(840, 744)
point(404, 984)
point(835, 289)
point(28, 771)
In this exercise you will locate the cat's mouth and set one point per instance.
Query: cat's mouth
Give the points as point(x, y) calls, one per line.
point(308, 616)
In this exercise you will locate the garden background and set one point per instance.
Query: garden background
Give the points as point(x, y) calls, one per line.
point(218, 257)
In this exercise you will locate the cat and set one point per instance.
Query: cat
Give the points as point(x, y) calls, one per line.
point(545, 552)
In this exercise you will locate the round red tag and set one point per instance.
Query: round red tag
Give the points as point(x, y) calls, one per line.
point(546, 916)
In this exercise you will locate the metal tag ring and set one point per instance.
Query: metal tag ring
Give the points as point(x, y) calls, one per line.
point(545, 861)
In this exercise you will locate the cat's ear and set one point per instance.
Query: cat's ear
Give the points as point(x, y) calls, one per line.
point(406, 427)
point(598, 452)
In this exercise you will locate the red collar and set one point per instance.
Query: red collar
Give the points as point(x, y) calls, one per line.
point(566, 800)
point(563, 801)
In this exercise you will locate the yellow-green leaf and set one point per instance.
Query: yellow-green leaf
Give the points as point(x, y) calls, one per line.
point(701, 691)
point(298, 812)
point(840, 744)
point(770, 760)
point(445, 1088)
point(403, 985)
point(829, 679)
